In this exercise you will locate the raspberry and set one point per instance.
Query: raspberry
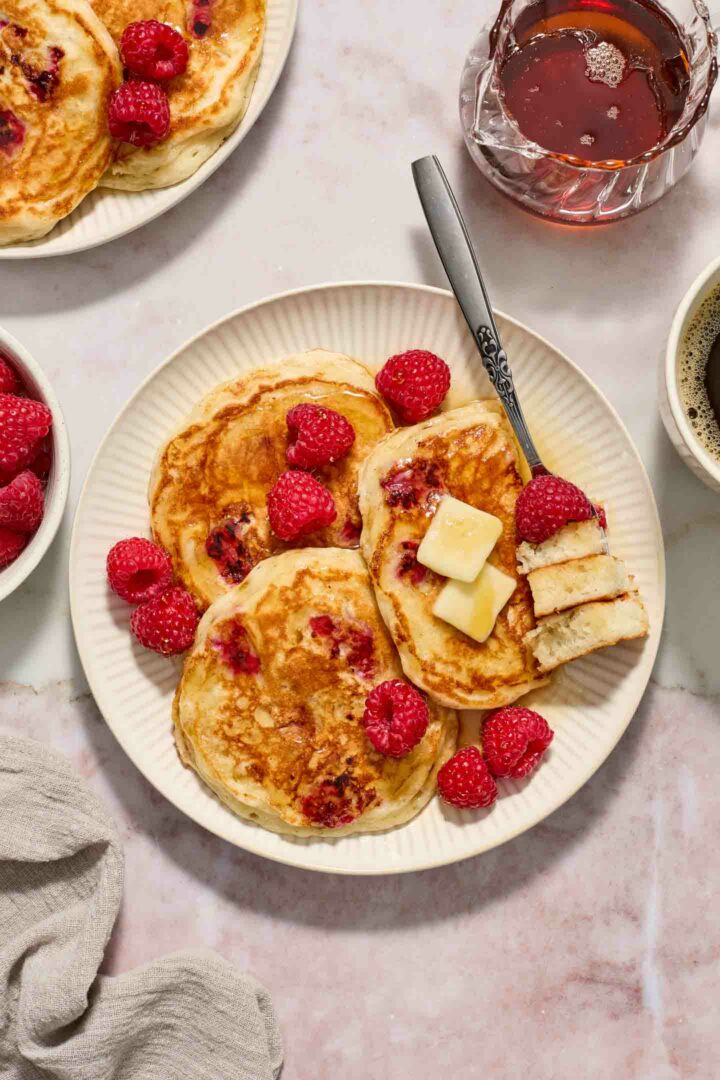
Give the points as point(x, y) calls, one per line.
point(415, 383)
point(22, 503)
point(153, 50)
point(8, 379)
point(138, 570)
point(11, 544)
point(23, 423)
point(322, 436)
point(41, 464)
point(298, 504)
point(466, 781)
point(514, 741)
point(139, 113)
point(166, 624)
point(395, 717)
point(546, 505)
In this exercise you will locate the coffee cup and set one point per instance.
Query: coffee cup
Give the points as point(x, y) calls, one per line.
point(687, 431)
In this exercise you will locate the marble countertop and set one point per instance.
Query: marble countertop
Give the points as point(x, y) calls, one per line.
point(586, 947)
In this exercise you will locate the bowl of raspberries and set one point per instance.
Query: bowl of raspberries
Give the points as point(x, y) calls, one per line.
point(34, 464)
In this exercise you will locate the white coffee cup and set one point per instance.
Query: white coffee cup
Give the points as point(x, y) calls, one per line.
point(705, 466)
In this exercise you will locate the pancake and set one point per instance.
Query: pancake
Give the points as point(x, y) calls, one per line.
point(210, 481)
point(469, 453)
point(209, 100)
point(58, 67)
point(269, 707)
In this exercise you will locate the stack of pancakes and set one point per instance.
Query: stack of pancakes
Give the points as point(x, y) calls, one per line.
point(59, 64)
point(294, 636)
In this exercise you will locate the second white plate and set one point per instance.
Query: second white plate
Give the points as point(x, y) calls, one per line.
point(105, 214)
point(589, 704)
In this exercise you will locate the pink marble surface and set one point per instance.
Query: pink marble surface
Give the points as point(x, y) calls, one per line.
point(585, 948)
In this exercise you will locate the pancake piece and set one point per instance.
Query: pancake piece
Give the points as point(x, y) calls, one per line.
point(469, 453)
point(269, 707)
point(58, 67)
point(210, 482)
point(209, 100)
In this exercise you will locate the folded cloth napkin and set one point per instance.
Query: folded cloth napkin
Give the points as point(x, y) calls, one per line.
point(190, 1016)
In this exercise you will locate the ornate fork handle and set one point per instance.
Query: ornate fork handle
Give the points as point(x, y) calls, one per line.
point(496, 364)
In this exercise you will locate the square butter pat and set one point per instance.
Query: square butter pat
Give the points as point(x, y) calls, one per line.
point(459, 540)
point(473, 607)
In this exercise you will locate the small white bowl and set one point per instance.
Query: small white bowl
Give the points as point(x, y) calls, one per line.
point(693, 453)
point(56, 492)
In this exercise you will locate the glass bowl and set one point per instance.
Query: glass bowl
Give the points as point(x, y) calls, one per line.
point(568, 189)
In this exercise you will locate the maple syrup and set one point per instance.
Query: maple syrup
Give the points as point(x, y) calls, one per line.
point(595, 80)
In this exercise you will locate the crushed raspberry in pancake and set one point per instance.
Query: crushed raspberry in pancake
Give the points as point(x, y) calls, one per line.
point(353, 643)
point(408, 566)
point(12, 132)
point(224, 545)
point(234, 647)
point(410, 485)
point(337, 802)
point(200, 18)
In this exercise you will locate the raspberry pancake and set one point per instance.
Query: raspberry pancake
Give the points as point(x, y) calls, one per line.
point(469, 453)
point(209, 100)
point(210, 481)
point(269, 707)
point(58, 67)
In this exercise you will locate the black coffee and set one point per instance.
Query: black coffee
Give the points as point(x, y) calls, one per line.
point(699, 373)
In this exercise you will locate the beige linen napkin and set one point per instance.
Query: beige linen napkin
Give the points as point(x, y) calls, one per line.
point(190, 1016)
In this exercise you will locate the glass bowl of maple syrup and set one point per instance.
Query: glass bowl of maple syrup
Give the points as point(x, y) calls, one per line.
point(587, 111)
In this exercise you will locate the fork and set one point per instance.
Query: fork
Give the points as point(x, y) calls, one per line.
point(454, 246)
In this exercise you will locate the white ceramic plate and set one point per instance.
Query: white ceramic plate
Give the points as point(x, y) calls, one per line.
point(105, 215)
point(589, 704)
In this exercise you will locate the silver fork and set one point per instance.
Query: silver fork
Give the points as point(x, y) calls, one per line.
point(456, 251)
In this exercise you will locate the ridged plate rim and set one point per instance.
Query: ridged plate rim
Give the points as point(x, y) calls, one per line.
point(301, 855)
point(281, 18)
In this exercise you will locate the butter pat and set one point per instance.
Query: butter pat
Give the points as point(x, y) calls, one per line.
point(459, 540)
point(474, 607)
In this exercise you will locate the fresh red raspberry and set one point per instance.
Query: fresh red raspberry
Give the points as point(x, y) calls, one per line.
point(9, 383)
point(138, 570)
point(298, 504)
point(153, 50)
point(322, 436)
point(22, 503)
point(41, 464)
point(23, 423)
point(139, 113)
point(514, 741)
point(415, 383)
point(547, 504)
point(466, 781)
point(395, 717)
point(168, 623)
point(11, 544)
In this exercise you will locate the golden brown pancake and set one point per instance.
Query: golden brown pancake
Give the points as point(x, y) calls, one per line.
point(469, 453)
point(269, 707)
point(209, 486)
point(209, 100)
point(58, 67)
